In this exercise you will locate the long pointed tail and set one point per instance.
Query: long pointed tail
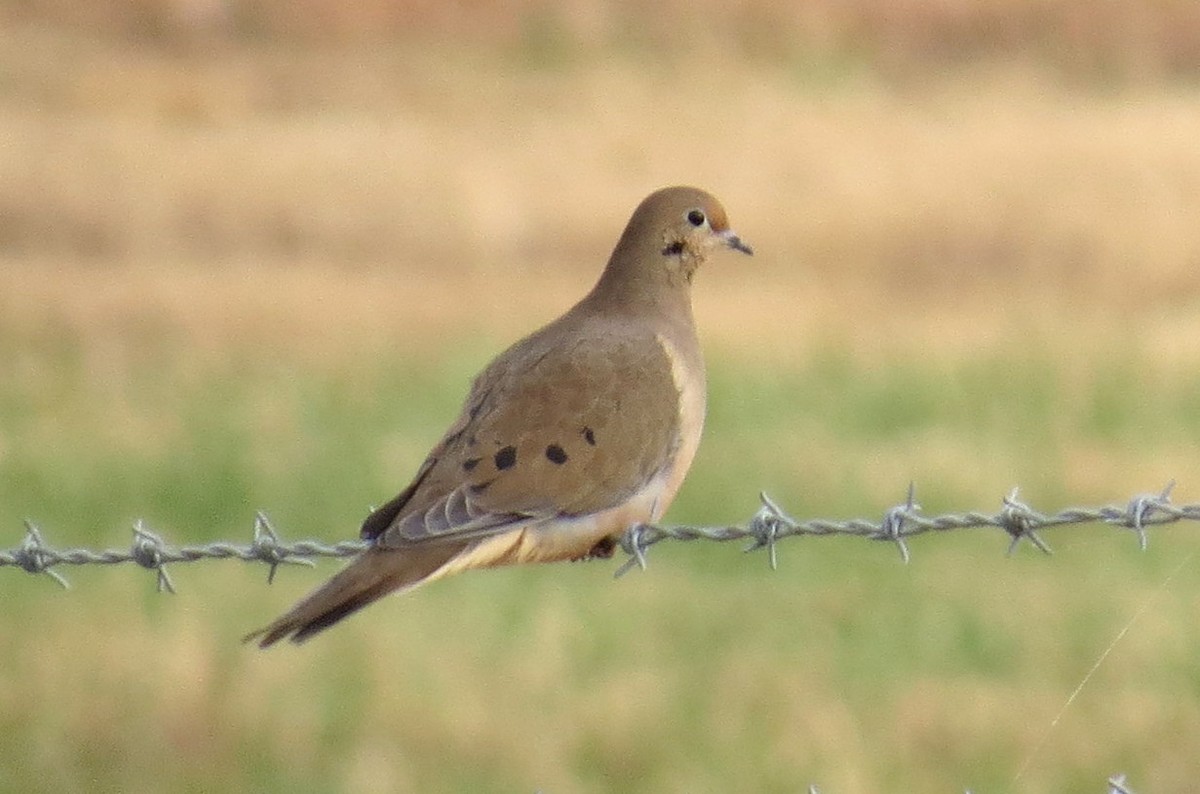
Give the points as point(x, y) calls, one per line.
point(371, 576)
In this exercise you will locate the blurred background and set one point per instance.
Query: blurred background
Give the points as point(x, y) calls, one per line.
point(252, 252)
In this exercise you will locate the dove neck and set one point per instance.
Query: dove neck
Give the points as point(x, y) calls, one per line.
point(630, 284)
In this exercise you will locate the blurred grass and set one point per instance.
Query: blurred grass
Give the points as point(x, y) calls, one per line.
point(242, 273)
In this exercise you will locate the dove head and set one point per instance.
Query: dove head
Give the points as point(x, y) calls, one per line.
point(669, 236)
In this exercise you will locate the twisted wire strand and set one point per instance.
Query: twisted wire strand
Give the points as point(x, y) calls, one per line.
point(764, 530)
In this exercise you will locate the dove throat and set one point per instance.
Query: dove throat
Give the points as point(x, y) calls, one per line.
point(645, 284)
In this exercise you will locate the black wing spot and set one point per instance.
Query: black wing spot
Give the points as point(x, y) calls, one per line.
point(506, 458)
point(479, 488)
point(589, 436)
point(470, 463)
point(603, 549)
point(556, 454)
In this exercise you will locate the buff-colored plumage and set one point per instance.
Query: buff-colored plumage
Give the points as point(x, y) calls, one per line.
point(572, 435)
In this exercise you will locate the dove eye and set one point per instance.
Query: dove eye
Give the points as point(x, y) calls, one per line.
point(696, 218)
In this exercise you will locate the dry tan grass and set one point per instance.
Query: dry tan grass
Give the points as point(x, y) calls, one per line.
point(1123, 40)
point(362, 194)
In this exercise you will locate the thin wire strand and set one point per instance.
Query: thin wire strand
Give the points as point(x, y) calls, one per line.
point(1117, 786)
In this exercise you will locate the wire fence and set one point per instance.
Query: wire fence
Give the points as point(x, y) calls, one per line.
point(765, 529)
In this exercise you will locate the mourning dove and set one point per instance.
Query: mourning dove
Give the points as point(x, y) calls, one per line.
point(566, 440)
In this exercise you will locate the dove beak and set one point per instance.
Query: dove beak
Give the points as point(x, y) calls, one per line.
point(733, 241)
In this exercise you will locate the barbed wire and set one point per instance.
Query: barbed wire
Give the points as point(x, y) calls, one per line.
point(1020, 521)
point(765, 529)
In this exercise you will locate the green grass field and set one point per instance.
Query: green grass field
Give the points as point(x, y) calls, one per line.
point(263, 280)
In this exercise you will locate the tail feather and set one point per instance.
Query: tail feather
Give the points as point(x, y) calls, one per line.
point(368, 578)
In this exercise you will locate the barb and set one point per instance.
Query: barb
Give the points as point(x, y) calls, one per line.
point(1117, 785)
point(765, 529)
point(893, 522)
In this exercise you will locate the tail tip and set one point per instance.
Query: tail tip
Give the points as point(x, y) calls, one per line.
point(269, 635)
